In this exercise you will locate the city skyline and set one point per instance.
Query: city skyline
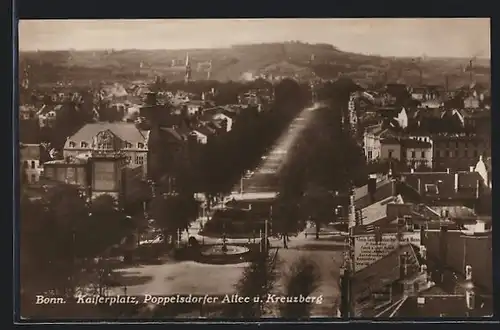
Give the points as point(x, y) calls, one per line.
point(436, 37)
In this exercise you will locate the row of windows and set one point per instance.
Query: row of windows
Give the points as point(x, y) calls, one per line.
point(84, 144)
point(414, 154)
point(457, 144)
point(466, 153)
point(139, 160)
point(33, 164)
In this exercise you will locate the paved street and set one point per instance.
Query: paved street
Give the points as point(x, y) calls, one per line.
point(263, 178)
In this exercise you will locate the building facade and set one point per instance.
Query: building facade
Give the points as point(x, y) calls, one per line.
point(459, 152)
point(31, 167)
point(417, 153)
point(125, 137)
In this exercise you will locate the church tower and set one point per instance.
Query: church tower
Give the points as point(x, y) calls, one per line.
point(187, 77)
point(209, 71)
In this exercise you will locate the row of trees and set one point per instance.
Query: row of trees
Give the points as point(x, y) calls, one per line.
point(214, 168)
point(326, 159)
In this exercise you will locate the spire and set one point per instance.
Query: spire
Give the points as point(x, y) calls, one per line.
point(187, 77)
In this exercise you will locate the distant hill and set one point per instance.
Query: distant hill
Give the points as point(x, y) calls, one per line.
point(243, 61)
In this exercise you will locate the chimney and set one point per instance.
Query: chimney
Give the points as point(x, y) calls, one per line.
point(471, 168)
point(151, 99)
point(456, 182)
point(393, 187)
point(423, 252)
point(443, 248)
point(448, 170)
point(372, 187)
point(403, 265)
point(470, 298)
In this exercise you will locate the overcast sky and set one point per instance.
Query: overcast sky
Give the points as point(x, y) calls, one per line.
point(450, 37)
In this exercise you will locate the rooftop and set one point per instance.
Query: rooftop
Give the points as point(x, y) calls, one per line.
point(125, 131)
point(412, 143)
point(444, 306)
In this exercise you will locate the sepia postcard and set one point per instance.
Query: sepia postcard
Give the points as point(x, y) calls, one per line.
point(254, 169)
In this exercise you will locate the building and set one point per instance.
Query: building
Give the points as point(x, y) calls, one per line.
point(405, 271)
point(122, 136)
point(417, 153)
point(390, 148)
point(102, 171)
point(458, 152)
point(463, 188)
point(194, 107)
point(373, 141)
point(31, 165)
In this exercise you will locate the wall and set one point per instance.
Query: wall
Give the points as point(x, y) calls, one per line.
point(459, 154)
point(371, 144)
point(104, 176)
point(427, 159)
point(463, 250)
point(367, 251)
point(385, 148)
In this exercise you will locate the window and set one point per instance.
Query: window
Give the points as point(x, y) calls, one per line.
point(83, 144)
point(431, 188)
point(140, 145)
point(466, 145)
point(456, 144)
point(33, 178)
point(413, 154)
point(33, 164)
point(139, 160)
point(390, 153)
point(450, 153)
point(442, 153)
point(128, 160)
point(370, 154)
point(456, 153)
point(466, 154)
point(71, 144)
point(448, 144)
point(422, 154)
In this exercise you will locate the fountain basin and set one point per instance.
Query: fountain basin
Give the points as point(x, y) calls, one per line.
point(216, 254)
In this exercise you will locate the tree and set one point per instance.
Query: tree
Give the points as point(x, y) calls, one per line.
point(318, 205)
point(257, 282)
point(302, 280)
point(60, 236)
point(286, 217)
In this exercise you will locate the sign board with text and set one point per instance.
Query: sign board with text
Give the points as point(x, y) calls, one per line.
point(367, 250)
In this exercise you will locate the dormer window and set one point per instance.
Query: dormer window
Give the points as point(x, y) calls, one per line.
point(128, 145)
point(72, 144)
point(84, 144)
point(140, 145)
point(432, 189)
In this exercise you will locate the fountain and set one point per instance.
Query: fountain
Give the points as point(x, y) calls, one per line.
point(224, 253)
